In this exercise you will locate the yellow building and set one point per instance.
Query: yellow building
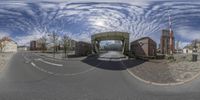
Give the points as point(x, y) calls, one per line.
point(8, 45)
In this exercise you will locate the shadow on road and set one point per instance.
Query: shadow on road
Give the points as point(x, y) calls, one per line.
point(111, 65)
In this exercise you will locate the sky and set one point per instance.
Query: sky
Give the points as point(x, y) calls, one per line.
point(25, 20)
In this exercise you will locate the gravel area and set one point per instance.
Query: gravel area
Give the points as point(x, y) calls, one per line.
point(4, 59)
point(164, 71)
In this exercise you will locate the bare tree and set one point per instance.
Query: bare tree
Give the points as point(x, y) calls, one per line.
point(66, 44)
point(54, 39)
point(43, 43)
point(194, 44)
point(2, 45)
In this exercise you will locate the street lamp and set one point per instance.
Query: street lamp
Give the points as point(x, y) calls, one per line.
point(194, 54)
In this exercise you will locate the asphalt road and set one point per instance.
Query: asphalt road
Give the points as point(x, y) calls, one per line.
point(32, 77)
point(112, 54)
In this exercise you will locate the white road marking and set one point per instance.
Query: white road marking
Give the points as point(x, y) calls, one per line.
point(50, 63)
point(33, 64)
point(27, 60)
point(59, 74)
point(49, 58)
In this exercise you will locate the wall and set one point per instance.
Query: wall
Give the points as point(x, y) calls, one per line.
point(82, 48)
point(186, 50)
point(165, 42)
point(144, 47)
point(10, 46)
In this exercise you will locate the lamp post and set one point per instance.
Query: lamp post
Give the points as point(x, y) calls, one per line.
point(194, 53)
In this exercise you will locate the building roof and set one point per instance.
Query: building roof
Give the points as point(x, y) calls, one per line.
point(115, 35)
point(188, 47)
point(7, 39)
point(143, 39)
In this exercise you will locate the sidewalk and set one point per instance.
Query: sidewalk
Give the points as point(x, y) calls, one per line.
point(4, 59)
point(157, 72)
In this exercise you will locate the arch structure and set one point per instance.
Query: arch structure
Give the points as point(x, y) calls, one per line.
point(122, 36)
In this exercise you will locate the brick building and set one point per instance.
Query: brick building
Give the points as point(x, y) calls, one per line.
point(83, 48)
point(33, 45)
point(165, 42)
point(37, 45)
point(144, 47)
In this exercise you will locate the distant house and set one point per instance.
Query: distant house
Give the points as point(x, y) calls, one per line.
point(33, 45)
point(36, 45)
point(187, 50)
point(22, 48)
point(8, 45)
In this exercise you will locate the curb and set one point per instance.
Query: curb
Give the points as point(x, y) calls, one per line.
point(161, 84)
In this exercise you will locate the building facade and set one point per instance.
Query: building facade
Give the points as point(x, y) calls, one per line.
point(83, 48)
point(144, 47)
point(41, 45)
point(8, 45)
point(37, 45)
point(193, 47)
point(33, 45)
point(72, 44)
point(187, 51)
point(165, 42)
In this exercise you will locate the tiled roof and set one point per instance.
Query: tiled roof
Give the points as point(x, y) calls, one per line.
point(7, 39)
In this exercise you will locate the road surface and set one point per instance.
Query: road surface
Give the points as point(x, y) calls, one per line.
point(112, 54)
point(32, 77)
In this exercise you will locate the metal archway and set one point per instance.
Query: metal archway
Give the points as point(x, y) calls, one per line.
point(122, 36)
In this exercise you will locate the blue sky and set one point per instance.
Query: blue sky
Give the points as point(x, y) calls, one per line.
point(26, 20)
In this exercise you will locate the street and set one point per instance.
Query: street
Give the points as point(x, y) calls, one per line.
point(29, 78)
point(112, 54)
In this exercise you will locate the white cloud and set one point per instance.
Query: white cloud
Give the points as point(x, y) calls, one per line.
point(143, 3)
point(25, 40)
point(183, 44)
point(187, 33)
point(81, 37)
point(3, 34)
point(106, 19)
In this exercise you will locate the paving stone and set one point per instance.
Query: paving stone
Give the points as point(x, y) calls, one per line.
point(162, 71)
